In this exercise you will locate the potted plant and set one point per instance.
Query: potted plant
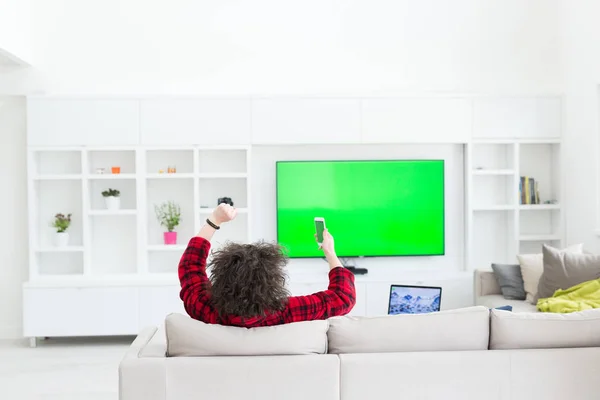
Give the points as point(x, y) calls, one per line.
point(112, 199)
point(169, 216)
point(61, 223)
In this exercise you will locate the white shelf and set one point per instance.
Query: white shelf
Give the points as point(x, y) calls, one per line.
point(111, 176)
point(539, 207)
point(223, 175)
point(493, 172)
point(167, 247)
point(539, 238)
point(501, 207)
point(210, 210)
point(57, 177)
point(112, 213)
point(66, 249)
point(170, 176)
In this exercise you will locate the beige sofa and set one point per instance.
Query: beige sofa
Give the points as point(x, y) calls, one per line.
point(441, 356)
point(488, 294)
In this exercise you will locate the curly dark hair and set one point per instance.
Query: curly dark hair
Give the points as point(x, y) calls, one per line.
point(248, 280)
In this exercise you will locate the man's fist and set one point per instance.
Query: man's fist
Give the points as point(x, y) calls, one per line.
point(223, 213)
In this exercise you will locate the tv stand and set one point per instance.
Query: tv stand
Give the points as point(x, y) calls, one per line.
point(357, 271)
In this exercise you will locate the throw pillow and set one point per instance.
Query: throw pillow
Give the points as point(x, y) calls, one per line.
point(532, 267)
point(564, 270)
point(510, 280)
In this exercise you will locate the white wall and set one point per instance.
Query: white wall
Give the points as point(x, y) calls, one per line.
point(13, 205)
point(15, 28)
point(581, 35)
point(329, 47)
point(264, 205)
point(275, 47)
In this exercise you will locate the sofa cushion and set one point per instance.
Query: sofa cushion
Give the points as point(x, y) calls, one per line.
point(497, 300)
point(532, 267)
point(187, 337)
point(462, 329)
point(544, 330)
point(510, 280)
point(564, 270)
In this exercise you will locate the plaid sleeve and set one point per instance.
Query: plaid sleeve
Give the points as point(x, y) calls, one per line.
point(338, 299)
point(195, 282)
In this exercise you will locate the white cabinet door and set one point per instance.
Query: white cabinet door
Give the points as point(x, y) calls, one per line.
point(158, 302)
point(73, 122)
point(416, 120)
point(517, 118)
point(195, 121)
point(305, 121)
point(80, 311)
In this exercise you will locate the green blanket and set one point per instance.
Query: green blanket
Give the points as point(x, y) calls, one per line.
point(584, 296)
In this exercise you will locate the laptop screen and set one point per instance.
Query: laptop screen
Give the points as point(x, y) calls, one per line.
point(414, 299)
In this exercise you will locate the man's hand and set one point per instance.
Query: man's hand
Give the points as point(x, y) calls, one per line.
point(328, 247)
point(223, 213)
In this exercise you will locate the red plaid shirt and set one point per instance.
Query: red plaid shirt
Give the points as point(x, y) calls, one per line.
point(338, 299)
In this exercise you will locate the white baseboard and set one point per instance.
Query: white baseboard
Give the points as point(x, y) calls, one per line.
point(11, 332)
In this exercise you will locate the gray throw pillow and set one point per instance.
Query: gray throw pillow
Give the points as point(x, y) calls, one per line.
point(510, 280)
point(563, 270)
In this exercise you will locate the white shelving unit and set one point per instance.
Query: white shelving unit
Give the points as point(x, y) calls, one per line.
point(128, 243)
point(498, 226)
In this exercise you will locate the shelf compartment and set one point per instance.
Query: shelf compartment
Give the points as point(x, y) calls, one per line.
point(205, 211)
point(223, 175)
point(125, 159)
point(542, 162)
point(237, 231)
point(114, 213)
point(53, 197)
point(539, 207)
point(128, 194)
point(110, 176)
point(57, 163)
point(219, 161)
point(167, 248)
point(170, 176)
point(499, 207)
point(540, 238)
point(58, 177)
point(114, 245)
point(493, 172)
point(494, 190)
point(164, 262)
point(488, 156)
point(65, 249)
point(502, 249)
point(211, 189)
point(182, 193)
point(182, 160)
point(56, 263)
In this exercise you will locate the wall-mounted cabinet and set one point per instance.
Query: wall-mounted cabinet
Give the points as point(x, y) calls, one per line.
point(416, 120)
point(305, 121)
point(203, 122)
point(72, 122)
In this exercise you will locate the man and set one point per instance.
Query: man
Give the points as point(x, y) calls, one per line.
point(248, 282)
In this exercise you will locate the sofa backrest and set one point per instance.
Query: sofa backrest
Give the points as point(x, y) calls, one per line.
point(454, 330)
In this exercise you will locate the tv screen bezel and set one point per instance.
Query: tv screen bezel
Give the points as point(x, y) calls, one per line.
point(443, 252)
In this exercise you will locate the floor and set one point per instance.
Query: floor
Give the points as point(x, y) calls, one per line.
point(65, 369)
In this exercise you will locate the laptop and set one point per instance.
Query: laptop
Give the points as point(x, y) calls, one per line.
point(406, 299)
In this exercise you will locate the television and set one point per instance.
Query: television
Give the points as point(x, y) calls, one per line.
point(372, 208)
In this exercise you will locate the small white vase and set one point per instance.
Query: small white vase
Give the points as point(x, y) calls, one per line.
point(112, 203)
point(61, 239)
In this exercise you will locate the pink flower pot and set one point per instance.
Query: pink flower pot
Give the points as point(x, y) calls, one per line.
point(170, 237)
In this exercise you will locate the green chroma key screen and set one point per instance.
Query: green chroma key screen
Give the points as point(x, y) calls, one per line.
point(372, 208)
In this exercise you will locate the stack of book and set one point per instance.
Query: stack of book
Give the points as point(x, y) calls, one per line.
point(529, 191)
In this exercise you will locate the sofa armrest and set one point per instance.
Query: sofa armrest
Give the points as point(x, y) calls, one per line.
point(485, 283)
point(142, 378)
